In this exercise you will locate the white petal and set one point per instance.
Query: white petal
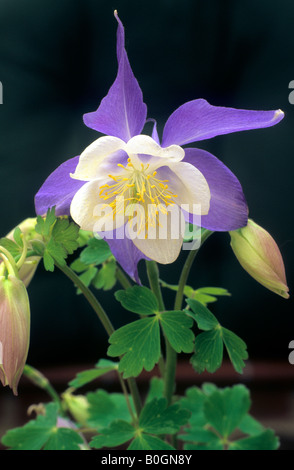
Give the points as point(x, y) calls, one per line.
point(191, 188)
point(166, 247)
point(144, 144)
point(92, 157)
point(91, 212)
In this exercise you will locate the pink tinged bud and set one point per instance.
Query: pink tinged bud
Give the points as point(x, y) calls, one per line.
point(259, 255)
point(28, 269)
point(14, 330)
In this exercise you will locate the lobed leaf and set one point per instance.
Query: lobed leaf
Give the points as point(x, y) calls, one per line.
point(96, 252)
point(147, 442)
point(43, 433)
point(176, 326)
point(139, 344)
point(209, 344)
point(138, 299)
point(116, 434)
point(86, 376)
point(157, 418)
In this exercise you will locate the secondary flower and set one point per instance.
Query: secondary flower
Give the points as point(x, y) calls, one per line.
point(259, 255)
point(125, 170)
point(14, 330)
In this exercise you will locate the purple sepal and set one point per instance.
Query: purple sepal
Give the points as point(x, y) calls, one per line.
point(122, 113)
point(198, 120)
point(58, 189)
point(125, 252)
point(228, 208)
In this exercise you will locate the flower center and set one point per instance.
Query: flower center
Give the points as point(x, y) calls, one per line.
point(138, 186)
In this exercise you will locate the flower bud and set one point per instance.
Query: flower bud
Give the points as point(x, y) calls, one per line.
point(14, 330)
point(259, 255)
point(77, 405)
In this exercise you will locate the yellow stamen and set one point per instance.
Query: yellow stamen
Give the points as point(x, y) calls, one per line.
point(135, 186)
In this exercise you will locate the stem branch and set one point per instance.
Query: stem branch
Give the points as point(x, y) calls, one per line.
point(105, 322)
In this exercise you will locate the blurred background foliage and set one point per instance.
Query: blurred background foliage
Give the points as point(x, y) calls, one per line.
point(57, 61)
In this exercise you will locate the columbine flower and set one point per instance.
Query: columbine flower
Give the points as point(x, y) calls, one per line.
point(14, 330)
point(125, 169)
point(259, 255)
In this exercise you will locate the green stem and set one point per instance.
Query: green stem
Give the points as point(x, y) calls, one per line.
point(153, 277)
point(105, 322)
point(24, 253)
point(37, 378)
point(8, 261)
point(125, 392)
point(186, 271)
point(170, 372)
point(122, 278)
point(90, 298)
point(171, 355)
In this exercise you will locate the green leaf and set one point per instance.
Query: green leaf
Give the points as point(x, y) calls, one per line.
point(139, 344)
point(157, 418)
point(147, 442)
point(198, 434)
point(203, 317)
point(225, 409)
point(86, 376)
point(11, 246)
point(96, 252)
point(48, 261)
point(208, 351)
point(194, 401)
point(106, 407)
point(106, 276)
point(17, 237)
point(43, 433)
point(59, 236)
point(78, 266)
point(138, 299)
point(236, 348)
point(216, 444)
point(116, 434)
point(44, 224)
point(56, 251)
point(87, 276)
point(156, 389)
point(176, 326)
point(64, 439)
point(209, 345)
point(203, 295)
point(218, 415)
point(264, 441)
point(66, 234)
point(213, 291)
point(250, 426)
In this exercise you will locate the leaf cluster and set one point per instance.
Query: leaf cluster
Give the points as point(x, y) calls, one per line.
point(139, 343)
point(207, 418)
point(60, 239)
point(210, 344)
point(96, 265)
point(221, 420)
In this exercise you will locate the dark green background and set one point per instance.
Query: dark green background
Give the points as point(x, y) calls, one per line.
point(57, 61)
